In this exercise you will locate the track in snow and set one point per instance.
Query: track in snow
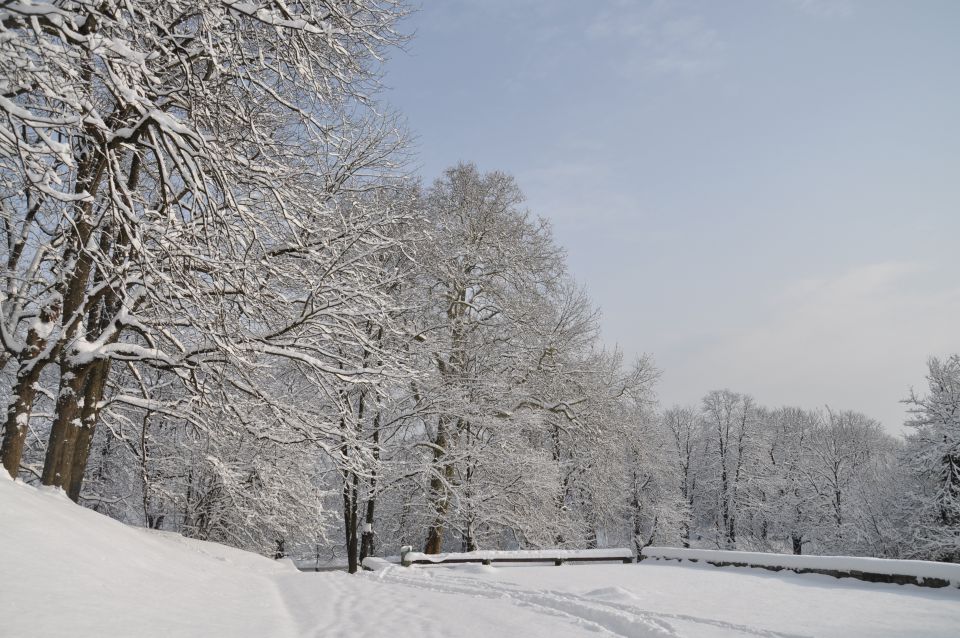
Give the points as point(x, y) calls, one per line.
point(589, 611)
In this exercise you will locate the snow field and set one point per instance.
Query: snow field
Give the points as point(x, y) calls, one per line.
point(70, 571)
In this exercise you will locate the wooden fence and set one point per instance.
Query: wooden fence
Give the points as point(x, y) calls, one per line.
point(489, 557)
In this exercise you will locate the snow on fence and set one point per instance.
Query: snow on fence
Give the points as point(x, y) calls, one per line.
point(877, 570)
point(488, 557)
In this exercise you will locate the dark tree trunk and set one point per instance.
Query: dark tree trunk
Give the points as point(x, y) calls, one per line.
point(89, 415)
point(18, 418)
point(24, 392)
point(637, 529)
point(350, 521)
point(69, 447)
point(57, 466)
point(63, 434)
point(797, 544)
point(366, 540)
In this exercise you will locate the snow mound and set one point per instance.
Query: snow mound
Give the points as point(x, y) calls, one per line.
point(71, 571)
point(610, 593)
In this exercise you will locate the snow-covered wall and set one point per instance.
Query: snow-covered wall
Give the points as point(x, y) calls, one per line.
point(927, 573)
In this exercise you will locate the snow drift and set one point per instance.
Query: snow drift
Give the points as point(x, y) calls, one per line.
point(67, 570)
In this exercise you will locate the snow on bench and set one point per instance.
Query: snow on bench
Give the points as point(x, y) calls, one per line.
point(488, 557)
point(878, 570)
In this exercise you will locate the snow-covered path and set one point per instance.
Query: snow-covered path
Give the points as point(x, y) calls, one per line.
point(653, 599)
point(65, 570)
point(335, 605)
point(597, 610)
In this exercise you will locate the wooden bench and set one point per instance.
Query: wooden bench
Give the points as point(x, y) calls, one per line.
point(558, 557)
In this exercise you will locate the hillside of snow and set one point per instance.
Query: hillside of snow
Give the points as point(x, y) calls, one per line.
point(70, 571)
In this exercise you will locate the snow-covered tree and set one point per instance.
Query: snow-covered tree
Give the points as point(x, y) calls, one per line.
point(487, 262)
point(731, 422)
point(933, 459)
point(681, 427)
point(180, 185)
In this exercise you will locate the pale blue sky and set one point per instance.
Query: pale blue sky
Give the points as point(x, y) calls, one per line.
point(763, 194)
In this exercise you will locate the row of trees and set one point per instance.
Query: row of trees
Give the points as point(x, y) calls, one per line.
point(822, 481)
point(227, 311)
point(785, 479)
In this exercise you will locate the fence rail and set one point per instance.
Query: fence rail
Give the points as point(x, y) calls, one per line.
point(490, 557)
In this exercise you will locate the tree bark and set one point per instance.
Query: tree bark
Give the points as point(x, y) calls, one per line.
point(57, 466)
point(18, 418)
point(89, 415)
point(24, 392)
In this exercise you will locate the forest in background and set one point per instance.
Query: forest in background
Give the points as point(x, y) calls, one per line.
point(230, 310)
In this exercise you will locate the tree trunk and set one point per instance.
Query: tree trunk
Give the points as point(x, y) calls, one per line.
point(366, 540)
point(797, 541)
point(18, 417)
point(685, 528)
point(439, 493)
point(57, 469)
point(350, 520)
point(637, 529)
point(24, 392)
point(57, 466)
point(89, 415)
point(469, 539)
point(441, 503)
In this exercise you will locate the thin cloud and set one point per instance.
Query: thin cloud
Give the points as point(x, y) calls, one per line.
point(824, 8)
point(857, 340)
point(659, 38)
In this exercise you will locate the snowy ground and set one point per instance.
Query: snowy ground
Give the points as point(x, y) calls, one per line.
point(67, 570)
